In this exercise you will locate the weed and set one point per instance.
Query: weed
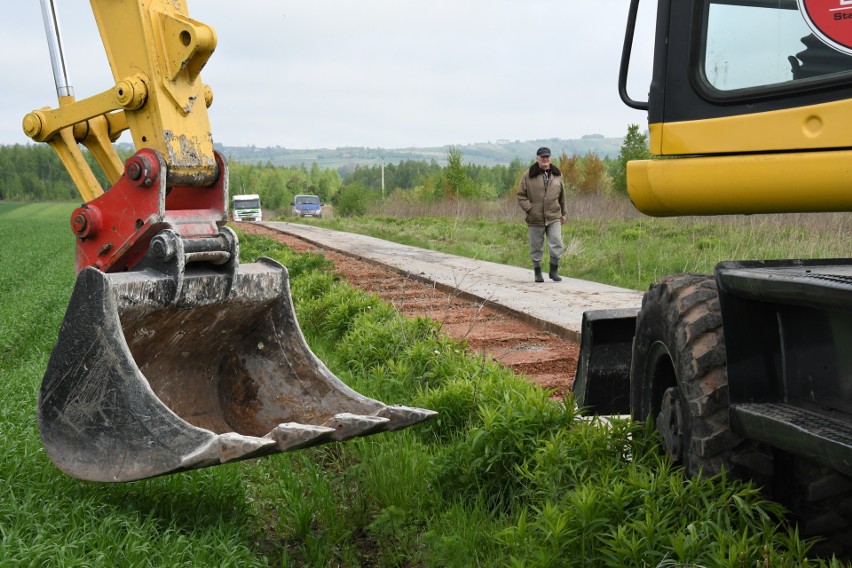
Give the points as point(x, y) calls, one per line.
point(607, 240)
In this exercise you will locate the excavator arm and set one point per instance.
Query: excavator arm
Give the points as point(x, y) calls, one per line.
point(171, 355)
point(156, 53)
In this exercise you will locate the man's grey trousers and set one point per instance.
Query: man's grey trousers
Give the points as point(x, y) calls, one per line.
point(537, 234)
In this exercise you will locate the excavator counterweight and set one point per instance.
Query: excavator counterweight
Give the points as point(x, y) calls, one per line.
point(172, 355)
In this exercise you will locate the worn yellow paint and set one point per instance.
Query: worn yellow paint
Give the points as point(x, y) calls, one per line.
point(157, 39)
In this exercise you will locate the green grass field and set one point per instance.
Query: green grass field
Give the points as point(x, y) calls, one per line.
point(504, 477)
point(606, 240)
point(48, 519)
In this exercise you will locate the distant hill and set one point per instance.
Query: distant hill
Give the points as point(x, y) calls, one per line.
point(484, 153)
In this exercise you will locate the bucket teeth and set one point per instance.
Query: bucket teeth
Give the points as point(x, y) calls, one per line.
point(233, 446)
point(292, 436)
point(348, 425)
point(226, 448)
point(404, 416)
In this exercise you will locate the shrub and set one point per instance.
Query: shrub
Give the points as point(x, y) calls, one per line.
point(353, 200)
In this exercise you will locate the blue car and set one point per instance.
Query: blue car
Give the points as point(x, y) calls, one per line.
point(307, 206)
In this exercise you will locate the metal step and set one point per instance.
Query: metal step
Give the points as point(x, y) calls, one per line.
point(794, 429)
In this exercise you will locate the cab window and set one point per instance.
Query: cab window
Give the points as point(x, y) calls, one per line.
point(754, 44)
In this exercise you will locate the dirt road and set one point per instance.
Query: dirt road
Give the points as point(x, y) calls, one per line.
point(541, 356)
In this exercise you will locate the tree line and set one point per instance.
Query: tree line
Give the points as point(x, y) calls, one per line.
point(35, 173)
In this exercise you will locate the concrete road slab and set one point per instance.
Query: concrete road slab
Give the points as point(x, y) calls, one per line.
point(555, 306)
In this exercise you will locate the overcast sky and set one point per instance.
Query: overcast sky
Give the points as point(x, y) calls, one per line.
point(376, 73)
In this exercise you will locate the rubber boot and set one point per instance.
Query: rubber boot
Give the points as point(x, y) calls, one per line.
point(553, 275)
point(538, 276)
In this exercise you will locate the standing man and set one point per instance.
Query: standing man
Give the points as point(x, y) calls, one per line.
point(541, 194)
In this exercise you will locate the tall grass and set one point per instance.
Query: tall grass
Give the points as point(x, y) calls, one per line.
point(503, 477)
point(606, 240)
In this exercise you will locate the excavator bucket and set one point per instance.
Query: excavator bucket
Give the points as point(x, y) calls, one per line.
point(157, 373)
point(172, 356)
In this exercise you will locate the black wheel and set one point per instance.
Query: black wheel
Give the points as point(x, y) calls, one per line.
point(679, 379)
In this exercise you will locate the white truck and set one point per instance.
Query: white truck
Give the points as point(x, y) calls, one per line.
point(246, 208)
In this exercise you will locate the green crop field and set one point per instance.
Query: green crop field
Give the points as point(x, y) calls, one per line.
point(503, 477)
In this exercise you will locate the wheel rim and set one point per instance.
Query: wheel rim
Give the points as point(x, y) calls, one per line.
point(670, 424)
point(666, 400)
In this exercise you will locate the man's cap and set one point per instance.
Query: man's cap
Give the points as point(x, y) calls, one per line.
point(543, 151)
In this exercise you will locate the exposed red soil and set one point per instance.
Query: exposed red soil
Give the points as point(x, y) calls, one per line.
point(540, 356)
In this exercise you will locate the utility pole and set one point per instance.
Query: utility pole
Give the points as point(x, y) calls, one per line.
point(383, 177)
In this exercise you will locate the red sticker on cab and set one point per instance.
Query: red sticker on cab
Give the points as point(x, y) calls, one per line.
point(830, 21)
